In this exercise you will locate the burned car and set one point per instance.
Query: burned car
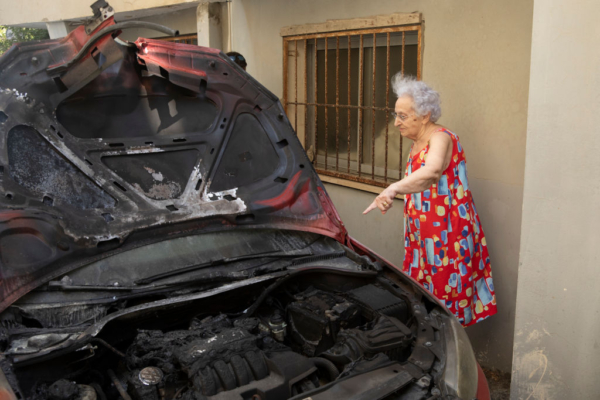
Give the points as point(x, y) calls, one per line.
point(164, 236)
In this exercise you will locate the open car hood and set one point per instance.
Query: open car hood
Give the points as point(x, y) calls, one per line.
point(106, 146)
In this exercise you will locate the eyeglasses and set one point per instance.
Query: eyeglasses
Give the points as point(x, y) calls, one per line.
point(402, 117)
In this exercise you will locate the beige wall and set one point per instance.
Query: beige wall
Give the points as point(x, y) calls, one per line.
point(28, 11)
point(476, 53)
point(556, 337)
point(184, 21)
point(387, 242)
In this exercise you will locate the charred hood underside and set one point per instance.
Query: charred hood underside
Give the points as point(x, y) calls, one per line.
point(107, 147)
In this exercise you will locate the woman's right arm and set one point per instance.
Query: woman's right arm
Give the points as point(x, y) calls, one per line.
point(438, 159)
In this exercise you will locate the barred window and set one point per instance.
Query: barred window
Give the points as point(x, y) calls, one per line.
point(338, 97)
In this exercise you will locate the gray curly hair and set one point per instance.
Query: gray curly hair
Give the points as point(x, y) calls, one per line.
point(426, 100)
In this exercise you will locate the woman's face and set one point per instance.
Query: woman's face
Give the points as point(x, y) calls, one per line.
point(407, 122)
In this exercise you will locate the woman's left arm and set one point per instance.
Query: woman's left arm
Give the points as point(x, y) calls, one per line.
point(438, 159)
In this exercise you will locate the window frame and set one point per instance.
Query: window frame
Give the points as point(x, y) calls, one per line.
point(365, 27)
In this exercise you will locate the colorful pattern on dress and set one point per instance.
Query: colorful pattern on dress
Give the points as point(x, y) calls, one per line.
point(445, 248)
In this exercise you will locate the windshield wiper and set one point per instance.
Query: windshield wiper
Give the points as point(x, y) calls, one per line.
point(299, 257)
point(211, 277)
point(224, 260)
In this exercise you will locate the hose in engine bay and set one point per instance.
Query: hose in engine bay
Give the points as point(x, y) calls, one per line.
point(292, 274)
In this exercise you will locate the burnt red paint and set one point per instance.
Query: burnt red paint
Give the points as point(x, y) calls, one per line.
point(288, 196)
point(6, 395)
point(75, 40)
point(483, 390)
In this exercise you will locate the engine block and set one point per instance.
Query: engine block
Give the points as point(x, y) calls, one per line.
point(218, 357)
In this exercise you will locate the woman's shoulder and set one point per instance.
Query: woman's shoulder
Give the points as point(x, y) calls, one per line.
point(442, 131)
point(443, 135)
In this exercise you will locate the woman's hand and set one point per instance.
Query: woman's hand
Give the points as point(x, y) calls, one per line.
point(384, 201)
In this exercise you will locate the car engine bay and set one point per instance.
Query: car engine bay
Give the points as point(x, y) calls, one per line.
point(315, 333)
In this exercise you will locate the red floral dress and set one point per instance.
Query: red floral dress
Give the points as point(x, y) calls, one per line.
point(445, 248)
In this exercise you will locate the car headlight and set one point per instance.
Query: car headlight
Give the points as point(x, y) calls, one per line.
point(460, 374)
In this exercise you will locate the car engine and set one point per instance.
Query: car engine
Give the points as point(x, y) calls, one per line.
point(217, 355)
point(298, 339)
point(268, 356)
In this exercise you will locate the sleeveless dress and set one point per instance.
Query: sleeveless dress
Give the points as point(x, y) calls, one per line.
point(445, 248)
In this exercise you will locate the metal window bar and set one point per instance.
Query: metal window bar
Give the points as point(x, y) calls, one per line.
point(387, 114)
point(326, 110)
point(360, 100)
point(402, 69)
point(316, 60)
point(349, 99)
point(337, 103)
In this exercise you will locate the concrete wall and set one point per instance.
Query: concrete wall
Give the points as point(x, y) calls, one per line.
point(476, 54)
point(556, 337)
point(183, 20)
point(28, 11)
point(387, 240)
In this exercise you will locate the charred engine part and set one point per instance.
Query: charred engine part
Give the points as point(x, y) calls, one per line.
point(151, 376)
point(274, 325)
point(118, 385)
point(374, 298)
point(386, 335)
point(365, 364)
point(215, 358)
point(64, 389)
point(316, 317)
point(36, 343)
point(277, 326)
point(326, 365)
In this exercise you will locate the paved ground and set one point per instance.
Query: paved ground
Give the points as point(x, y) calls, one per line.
point(499, 384)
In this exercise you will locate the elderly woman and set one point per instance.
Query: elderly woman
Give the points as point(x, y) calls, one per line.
point(445, 248)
